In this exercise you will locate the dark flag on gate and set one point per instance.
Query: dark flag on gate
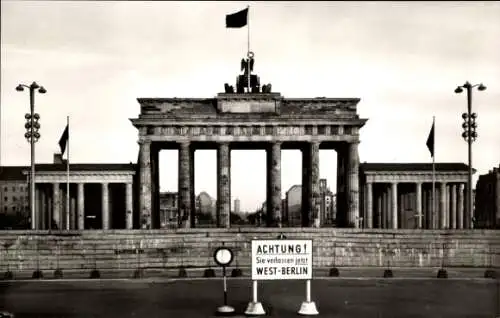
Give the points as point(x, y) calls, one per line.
point(430, 140)
point(238, 19)
point(64, 139)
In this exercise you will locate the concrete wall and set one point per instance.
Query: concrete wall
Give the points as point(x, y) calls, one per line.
point(122, 249)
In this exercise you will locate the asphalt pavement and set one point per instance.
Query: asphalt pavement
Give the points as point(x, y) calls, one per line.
point(193, 298)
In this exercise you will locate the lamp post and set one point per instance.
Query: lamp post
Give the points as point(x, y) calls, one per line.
point(32, 135)
point(470, 136)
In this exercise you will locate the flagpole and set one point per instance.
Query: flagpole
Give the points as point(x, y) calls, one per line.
point(248, 46)
point(67, 181)
point(248, 30)
point(434, 172)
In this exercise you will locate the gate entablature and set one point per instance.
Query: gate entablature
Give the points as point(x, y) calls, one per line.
point(249, 117)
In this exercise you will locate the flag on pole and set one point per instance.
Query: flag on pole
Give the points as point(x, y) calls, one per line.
point(430, 140)
point(64, 139)
point(238, 19)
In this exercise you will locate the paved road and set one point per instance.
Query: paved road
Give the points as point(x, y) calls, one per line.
point(382, 298)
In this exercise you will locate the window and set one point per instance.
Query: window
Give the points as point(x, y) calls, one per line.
point(5, 208)
point(14, 199)
point(14, 189)
point(5, 189)
point(6, 199)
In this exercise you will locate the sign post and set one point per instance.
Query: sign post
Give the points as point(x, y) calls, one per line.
point(223, 257)
point(282, 259)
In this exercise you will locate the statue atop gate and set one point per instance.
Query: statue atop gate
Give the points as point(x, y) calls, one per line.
point(247, 82)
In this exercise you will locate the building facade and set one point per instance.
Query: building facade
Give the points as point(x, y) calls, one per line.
point(205, 210)
point(14, 187)
point(293, 205)
point(168, 209)
point(236, 208)
point(327, 206)
point(487, 200)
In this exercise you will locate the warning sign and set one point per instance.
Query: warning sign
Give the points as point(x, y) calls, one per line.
point(281, 259)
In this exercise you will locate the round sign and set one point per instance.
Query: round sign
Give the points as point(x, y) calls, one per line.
point(223, 256)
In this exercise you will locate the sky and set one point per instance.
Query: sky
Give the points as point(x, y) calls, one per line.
point(402, 59)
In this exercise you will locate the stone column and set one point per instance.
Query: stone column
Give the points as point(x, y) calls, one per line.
point(223, 185)
point(436, 208)
point(62, 206)
point(46, 207)
point(184, 185)
point(56, 206)
point(129, 218)
point(145, 200)
point(418, 202)
point(467, 215)
point(43, 207)
point(387, 207)
point(50, 210)
point(379, 208)
point(192, 195)
point(72, 204)
point(314, 195)
point(155, 187)
point(353, 183)
point(38, 210)
point(448, 206)
point(81, 206)
point(442, 204)
point(460, 204)
point(425, 207)
point(394, 192)
point(453, 212)
point(105, 206)
point(430, 208)
point(274, 185)
point(67, 208)
point(341, 199)
point(402, 207)
point(369, 205)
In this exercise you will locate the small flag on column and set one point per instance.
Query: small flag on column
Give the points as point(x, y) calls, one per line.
point(64, 140)
point(238, 19)
point(430, 140)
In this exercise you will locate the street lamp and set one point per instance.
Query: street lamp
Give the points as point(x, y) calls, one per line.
point(470, 136)
point(32, 135)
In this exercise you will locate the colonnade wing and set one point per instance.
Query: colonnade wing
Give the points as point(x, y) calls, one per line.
point(51, 197)
point(414, 198)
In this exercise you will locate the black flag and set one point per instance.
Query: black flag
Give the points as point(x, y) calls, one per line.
point(64, 139)
point(430, 140)
point(238, 19)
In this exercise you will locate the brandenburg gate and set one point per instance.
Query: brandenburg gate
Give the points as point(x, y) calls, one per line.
point(250, 117)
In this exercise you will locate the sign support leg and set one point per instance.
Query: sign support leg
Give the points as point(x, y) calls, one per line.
point(225, 310)
point(225, 286)
point(255, 308)
point(308, 307)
